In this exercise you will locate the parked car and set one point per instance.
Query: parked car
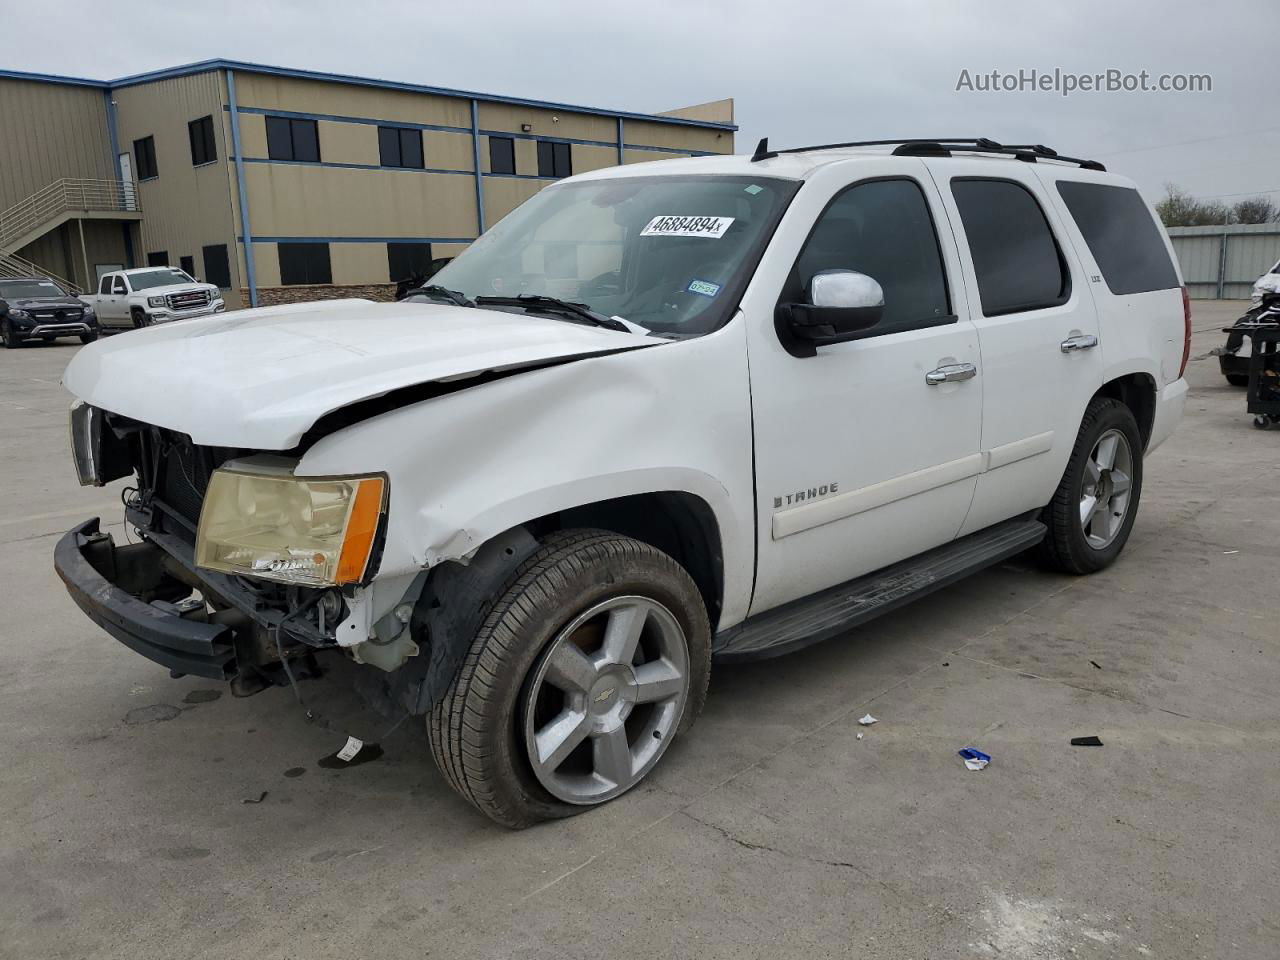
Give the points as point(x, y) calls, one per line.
point(148, 295)
point(1269, 282)
point(37, 308)
point(714, 408)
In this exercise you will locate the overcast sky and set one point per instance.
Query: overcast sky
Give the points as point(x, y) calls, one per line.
point(810, 72)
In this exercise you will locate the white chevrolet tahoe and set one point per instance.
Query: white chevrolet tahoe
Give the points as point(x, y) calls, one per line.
point(660, 416)
point(150, 295)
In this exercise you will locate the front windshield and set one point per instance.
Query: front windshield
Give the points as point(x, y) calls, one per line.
point(157, 278)
point(670, 253)
point(29, 289)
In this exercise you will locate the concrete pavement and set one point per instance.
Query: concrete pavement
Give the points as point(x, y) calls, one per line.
point(771, 831)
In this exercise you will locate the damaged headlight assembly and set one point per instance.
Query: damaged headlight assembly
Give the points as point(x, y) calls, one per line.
point(313, 532)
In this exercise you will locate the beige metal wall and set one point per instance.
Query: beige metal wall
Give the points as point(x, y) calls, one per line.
point(185, 208)
point(50, 131)
point(349, 200)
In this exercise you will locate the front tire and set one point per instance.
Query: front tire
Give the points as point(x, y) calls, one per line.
point(1237, 379)
point(7, 336)
point(89, 337)
point(140, 318)
point(1093, 510)
point(593, 659)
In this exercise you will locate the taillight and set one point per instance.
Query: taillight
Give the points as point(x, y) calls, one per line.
point(1186, 342)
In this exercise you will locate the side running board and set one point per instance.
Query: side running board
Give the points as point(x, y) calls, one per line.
point(837, 609)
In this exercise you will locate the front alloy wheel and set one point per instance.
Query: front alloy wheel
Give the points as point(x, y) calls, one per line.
point(606, 699)
point(591, 661)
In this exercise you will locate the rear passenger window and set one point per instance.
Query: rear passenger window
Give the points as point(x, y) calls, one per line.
point(1122, 236)
point(881, 228)
point(1015, 256)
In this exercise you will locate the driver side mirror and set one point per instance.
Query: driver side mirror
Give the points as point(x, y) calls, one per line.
point(841, 305)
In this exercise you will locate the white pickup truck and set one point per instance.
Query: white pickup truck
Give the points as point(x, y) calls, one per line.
point(150, 295)
point(715, 408)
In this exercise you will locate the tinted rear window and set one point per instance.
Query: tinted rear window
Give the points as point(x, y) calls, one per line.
point(1122, 236)
point(1015, 256)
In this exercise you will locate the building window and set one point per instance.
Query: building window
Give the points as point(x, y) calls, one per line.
point(502, 155)
point(406, 260)
point(398, 147)
point(144, 158)
point(203, 149)
point(553, 160)
point(304, 263)
point(217, 269)
point(291, 139)
point(1015, 256)
point(159, 258)
point(188, 265)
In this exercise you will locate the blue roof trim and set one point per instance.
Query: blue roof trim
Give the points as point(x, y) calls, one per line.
point(207, 66)
point(257, 239)
point(54, 78)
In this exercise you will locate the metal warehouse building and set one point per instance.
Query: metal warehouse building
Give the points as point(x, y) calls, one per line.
point(282, 185)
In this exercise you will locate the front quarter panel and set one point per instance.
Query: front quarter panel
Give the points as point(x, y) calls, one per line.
point(467, 466)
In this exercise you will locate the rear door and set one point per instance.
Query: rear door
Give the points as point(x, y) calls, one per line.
point(1037, 325)
point(1132, 272)
point(104, 302)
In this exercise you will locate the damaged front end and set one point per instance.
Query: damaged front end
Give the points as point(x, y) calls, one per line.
point(152, 597)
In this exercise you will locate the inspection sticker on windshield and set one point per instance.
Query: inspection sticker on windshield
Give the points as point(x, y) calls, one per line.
point(674, 226)
point(704, 287)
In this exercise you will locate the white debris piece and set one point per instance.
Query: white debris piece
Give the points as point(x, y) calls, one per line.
point(868, 720)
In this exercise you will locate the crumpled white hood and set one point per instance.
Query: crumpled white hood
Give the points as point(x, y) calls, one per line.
point(260, 378)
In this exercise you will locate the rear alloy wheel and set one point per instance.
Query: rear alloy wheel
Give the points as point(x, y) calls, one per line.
point(590, 663)
point(1092, 513)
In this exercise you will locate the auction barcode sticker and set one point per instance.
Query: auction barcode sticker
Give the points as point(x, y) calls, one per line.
point(676, 226)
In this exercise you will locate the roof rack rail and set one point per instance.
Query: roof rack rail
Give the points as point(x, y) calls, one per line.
point(940, 147)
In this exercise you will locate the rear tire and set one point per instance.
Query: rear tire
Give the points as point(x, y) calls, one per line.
point(1092, 512)
point(1237, 379)
point(542, 662)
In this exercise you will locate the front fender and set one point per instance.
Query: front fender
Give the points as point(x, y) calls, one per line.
point(467, 466)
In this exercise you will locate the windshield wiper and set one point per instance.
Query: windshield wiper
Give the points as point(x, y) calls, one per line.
point(437, 292)
point(555, 306)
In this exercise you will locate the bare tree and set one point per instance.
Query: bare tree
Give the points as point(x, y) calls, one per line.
point(1254, 210)
point(1180, 209)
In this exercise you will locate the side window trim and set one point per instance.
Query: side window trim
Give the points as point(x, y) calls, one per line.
point(1064, 262)
point(925, 323)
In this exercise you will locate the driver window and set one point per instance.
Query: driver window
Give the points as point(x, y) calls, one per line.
point(105, 286)
point(882, 228)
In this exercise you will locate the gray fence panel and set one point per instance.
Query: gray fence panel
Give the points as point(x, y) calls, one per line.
point(1224, 262)
point(1199, 259)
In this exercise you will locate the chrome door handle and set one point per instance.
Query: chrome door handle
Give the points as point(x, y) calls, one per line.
point(1085, 341)
point(951, 373)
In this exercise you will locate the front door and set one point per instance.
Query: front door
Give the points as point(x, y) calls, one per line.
point(1038, 328)
point(863, 458)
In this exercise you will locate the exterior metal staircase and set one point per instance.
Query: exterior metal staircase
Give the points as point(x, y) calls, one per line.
point(50, 207)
